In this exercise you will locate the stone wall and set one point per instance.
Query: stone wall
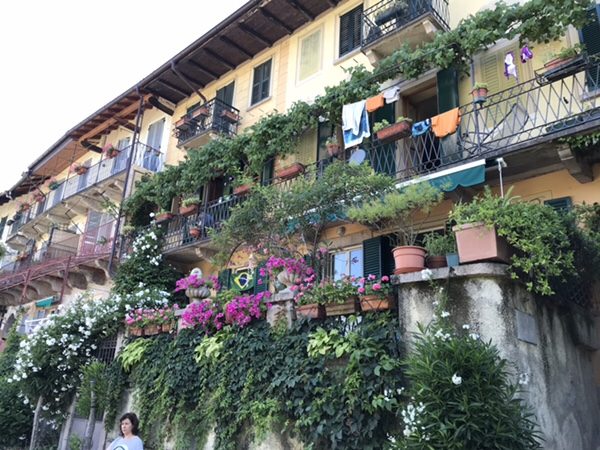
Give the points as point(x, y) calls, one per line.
point(550, 345)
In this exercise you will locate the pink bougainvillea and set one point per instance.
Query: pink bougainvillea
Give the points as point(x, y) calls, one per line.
point(243, 309)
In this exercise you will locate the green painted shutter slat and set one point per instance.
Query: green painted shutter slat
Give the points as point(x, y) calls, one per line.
point(377, 256)
point(262, 283)
point(590, 36)
point(562, 204)
point(350, 30)
point(447, 82)
point(225, 279)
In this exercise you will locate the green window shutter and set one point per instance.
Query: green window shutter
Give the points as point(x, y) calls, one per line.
point(268, 172)
point(350, 30)
point(447, 86)
point(377, 256)
point(590, 36)
point(561, 205)
point(225, 279)
point(261, 284)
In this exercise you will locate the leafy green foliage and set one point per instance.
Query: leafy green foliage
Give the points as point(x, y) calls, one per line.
point(439, 244)
point(132, 353)
point(95, 374)
point(543, 251)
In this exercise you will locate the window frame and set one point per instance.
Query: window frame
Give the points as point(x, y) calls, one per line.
point(301, 41)
point(348, 251)
point(358, 9)
point(254, 101)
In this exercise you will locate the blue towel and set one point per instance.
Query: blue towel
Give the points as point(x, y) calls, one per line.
point(420, 128)
point(351, 139)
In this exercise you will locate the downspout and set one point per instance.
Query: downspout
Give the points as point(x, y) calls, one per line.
point(187, 83)
point(128, 175)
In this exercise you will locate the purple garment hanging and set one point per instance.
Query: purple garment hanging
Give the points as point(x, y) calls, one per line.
point(510, 69)
point(526, 54)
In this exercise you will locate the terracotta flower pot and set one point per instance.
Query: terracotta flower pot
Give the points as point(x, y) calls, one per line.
point(333, 149)
point(377, 303)
point(342, 309)
point(409, 258)
point(395, 131)
point(478, 242)
point(312, 310)
point(435, 262)
point(188, 210)
point(230, 116)
point(163, 217)
point(242, 190)
point(195, 232)
point(479, 95)
point(290, 171)
point(151, 330)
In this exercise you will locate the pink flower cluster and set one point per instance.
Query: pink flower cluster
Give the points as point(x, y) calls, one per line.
point(142, 317)
point(205, 315)
point(294, 266)
point(242, 310)
point(194, 281)
point(372, 286)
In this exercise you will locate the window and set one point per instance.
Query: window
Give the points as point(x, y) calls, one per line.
point(310, 55)
point(347, 263)
point(261, 83)
point(350, 30)
point(590, 37)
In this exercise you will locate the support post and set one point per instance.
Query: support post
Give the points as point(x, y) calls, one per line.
point(91, 422)
point(36, 423)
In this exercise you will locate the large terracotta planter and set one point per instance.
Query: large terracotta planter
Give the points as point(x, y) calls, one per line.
point(163, 217)
point(342, 309)
point(188, 210)
point(312, 311)
point(290, 171)
point(409, 258)
point(395, 131)
point(370, 303)
point(478, 242)
point(230, 116)
point(436, 262)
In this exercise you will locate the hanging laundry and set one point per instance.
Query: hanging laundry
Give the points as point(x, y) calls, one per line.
point(355, 123)
point(392, 94)
point(526, 54)
point(374, 103)
point(446, 123)
point(510, 69)
point(420, 128)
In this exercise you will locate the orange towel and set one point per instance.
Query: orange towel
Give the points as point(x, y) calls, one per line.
point(374, 103)
point(445, 123)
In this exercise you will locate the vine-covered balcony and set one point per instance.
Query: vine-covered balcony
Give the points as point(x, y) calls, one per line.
point(214, 116)
point(414, 22)
point(81, 192)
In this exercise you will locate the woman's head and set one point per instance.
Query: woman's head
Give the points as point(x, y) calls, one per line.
point(129, 424)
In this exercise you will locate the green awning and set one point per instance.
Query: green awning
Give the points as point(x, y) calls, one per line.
point(469, 174)
point(45, 302)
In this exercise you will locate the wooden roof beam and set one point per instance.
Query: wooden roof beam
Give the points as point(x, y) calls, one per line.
point(173, 87)
point(219, 58)
point(302, 9)
point(276, 20)
point(228, 41)
point(203, 69)
point(125, 124)
point(256, 35)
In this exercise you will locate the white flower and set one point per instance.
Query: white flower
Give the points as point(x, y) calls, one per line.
point(426, 274)
point(445, 314)
point(456, 379)
point(151, 215)
point(466, 326)
point(474, 336)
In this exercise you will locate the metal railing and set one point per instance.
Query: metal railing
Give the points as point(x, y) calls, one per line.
point(214, 115)
point(536, 111)
point(144, 156)
point(389, 16)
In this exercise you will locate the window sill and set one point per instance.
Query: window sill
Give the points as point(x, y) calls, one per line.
point(347, 56)
point(264, 100)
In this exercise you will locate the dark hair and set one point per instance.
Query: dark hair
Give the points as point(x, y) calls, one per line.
point(134, 423)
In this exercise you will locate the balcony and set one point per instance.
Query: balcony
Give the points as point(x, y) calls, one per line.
point(80, 193)
point(68, 260)
point(194, 129)
point(390, 22)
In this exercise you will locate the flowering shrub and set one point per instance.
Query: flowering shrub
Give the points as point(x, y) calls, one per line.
point(275, 265)
point(142, 317)
point(373, 286)
point(195, 281)
point(205, 315)
point(109, 151)
point(242, 310)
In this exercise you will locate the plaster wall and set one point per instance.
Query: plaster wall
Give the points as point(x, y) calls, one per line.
point(555, 358)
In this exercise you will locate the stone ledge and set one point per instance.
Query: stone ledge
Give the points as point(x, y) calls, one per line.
point(467, 270)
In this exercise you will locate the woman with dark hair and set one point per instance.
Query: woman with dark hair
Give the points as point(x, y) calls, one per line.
point(129, 439)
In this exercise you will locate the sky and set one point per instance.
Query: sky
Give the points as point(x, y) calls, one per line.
point(64, 59)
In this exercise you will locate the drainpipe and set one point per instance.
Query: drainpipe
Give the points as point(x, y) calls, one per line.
point(128, 176)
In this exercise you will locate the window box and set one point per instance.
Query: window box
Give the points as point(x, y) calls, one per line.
point(311, 310)
point(188, 210)
point(163, 217)
point(200, 112)
point(195, 232)
point(230, 116)
point(342, 309)
point(290, 171)
point(395, 131)
point(242, 190)
point(370, 303)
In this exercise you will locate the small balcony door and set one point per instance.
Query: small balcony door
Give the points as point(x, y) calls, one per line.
point(151, 159)
point(98, 235)
point(224, 99)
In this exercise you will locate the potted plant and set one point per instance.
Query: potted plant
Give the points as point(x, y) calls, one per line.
point(337, 297)
point(195, 231)
point(438, 247)
point(189, 206)
point(38, 197)
point(230, 116)
point(163, 215)
point(388, 133)
point(333, 147)
point(562, 57)
point(402, 212)
point(375, 294)
point(109, 151)
point(53, 184)
point(243, 186)
point(200, 111)
point(78, 168)
point(479, 92)
point(394, 9)
point(290, 171)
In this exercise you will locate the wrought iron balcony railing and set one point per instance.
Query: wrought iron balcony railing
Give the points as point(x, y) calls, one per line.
point(144, 156)
point(389, 16)
point(214, 115)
